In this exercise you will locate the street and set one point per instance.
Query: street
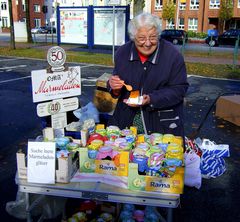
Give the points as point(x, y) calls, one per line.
point(49, 38)
point(217, 199)
point(19, 121)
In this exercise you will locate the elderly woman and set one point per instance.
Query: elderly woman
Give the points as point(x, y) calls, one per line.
point(157, 70)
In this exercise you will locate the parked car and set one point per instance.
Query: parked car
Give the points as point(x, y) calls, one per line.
point(50, 29)
point(38, 30)
point(174, 35)
point(229, 37)
point(43, 30)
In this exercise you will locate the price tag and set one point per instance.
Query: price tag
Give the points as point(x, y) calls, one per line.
point(57, 106)
point(56, 57)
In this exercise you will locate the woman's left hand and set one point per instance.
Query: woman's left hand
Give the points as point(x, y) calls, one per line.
point(146, 101)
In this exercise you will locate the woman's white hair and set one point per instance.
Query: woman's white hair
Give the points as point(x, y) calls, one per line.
point(143, 20)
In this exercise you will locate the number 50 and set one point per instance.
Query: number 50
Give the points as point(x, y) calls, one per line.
point(57, 55)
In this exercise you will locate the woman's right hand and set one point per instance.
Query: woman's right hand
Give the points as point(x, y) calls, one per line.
point(115, 82)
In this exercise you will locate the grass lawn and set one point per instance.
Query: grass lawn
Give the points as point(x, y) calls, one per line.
point(203, 69)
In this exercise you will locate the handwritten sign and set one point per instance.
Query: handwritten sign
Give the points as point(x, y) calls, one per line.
point(50, 86)
point(41, 162)
point(59, 120)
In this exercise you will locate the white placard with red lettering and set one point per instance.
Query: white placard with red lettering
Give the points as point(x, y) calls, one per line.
point(50, 86)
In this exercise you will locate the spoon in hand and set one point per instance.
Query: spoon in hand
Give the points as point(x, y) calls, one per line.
point(128, 87)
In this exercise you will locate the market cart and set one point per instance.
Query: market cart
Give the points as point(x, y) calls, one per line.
point(101, 192)
point(57, 103)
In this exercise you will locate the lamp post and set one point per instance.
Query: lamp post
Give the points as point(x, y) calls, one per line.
point(177, 14)
point(113, 3)
point(0, 22)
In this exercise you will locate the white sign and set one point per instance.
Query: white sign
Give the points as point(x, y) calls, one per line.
point(73, 25)
point(59, 121)
point(50, 86)
point(20, 31)
point(114, 2)
point(41, 162)
point(103, 26)
point(57, 106)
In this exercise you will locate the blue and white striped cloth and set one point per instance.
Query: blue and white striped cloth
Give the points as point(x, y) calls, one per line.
point(212, 161)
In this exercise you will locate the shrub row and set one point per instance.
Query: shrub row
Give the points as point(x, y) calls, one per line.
point(200, 35)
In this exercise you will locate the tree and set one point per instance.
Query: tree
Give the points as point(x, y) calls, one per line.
point(28, 26)
point(225, 11)
point(168, 11)
point(12, 35)
point(138, 6)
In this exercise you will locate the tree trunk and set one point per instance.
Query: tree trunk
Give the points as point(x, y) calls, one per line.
point(28, 26)
point(12, 35)
point(138, 7)
point(224, 24)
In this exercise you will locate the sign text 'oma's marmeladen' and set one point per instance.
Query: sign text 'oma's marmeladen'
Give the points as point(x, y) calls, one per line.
point(50, 86)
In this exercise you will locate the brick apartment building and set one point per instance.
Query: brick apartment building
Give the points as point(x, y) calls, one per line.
point(19, 7)
point(197, 15)
point(194, 15)
point(35, 12)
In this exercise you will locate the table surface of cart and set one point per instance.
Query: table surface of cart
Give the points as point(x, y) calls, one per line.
point(102, 192)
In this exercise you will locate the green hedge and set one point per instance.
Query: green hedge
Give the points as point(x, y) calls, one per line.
point(200, 35)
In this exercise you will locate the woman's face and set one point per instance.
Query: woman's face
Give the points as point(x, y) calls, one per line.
point(146, 40)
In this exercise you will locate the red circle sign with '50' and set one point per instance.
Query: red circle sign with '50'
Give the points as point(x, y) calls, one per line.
point(56, 56)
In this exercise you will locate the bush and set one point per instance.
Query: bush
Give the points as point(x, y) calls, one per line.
point(200, 35)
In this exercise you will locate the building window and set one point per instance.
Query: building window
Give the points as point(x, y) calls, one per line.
point(192, 24)
point(214, 4)
point(24, 7)
point(170, 25)
point(4, 22)
point(36, 8)
point(182, 4)
point(194, 4)
point(161, 23)
point(4, 6)
point(37, 22)
point(238, 3)
point(158, 4)
point(181, 23)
